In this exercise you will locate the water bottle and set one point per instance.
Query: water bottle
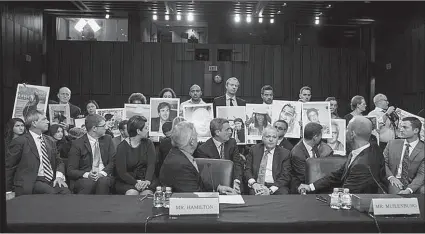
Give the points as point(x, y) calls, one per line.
point(335, 202)
point(158, 197)
point(167, 196)
point(346, 199)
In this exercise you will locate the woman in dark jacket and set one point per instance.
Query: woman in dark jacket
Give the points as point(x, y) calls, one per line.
point(58, 133)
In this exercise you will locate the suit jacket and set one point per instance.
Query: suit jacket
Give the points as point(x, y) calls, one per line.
point(360, 175)
point(286, 144)
point(116, 141)
point(231, 152)
point(163, 150)
point(299, 155)
point(392, 155)
point(221, 101)
point(80, 156)
point(180, 174)
point(23, 162)
point(281, 168)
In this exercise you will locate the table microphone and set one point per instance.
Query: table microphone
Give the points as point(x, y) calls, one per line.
point(373, 177)
point(210, 171)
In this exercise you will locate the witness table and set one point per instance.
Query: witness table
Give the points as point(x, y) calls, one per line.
point(115, 213)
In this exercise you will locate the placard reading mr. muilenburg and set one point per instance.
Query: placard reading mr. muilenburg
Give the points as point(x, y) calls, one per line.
point(30, 97)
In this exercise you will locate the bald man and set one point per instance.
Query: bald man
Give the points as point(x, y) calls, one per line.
point(365, 167)
point(64, 95)
point(195, 93)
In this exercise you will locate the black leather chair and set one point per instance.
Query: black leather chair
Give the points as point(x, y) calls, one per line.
point(317, 168)
point(220, 169)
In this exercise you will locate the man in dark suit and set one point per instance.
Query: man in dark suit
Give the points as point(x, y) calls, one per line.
point(91, 159)
point(33, 164)
point(221, 146)
point(404, 159)
point(64, 95)
point(282, 127)
point(122, 126)
point(164, 116)
point(310, 146)
point(229, 99)
point(365, 167)
point(268, 166)
point(180, 170)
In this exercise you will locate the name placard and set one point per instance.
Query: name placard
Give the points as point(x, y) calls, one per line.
point(395, 206)
point(194, 204)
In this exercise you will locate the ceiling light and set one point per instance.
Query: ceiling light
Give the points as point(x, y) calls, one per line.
point(154, 17)
point(167, 17)
point(179, 16)
point(237, 18)
point(190, 16)
point(93, 25)
point(316, 22)
point(329, 6)
point(278, 12)
point(260, 20)
point(317, 17)
point(80, 25)
point(248, 19)
point(107, 16)
point(284, 4)
point(271, 20)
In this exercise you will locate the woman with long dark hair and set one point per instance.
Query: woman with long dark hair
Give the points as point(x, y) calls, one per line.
point(14, 128)
point(58, 133)
point(167, 93)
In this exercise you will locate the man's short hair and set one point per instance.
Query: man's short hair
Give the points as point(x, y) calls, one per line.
point(282, 121)
point(378, 97)
point(328, 99)
point(162, 105)
point(135, 123)
point(266, 87)
point(305, 88)
point(122, 124)
point(167, 126)
point(311, 130)
point(232, 78)
point(137, 96)
point(356, 100)
point(32, 116)
point(217, 124)
point(93, 121)
point(182, 133)
point(268, 128)
point(415, 122)
point(177, 120)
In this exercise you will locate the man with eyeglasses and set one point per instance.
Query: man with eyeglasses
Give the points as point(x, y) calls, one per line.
point(383, 115)
point(281, 127)
point(91, 159)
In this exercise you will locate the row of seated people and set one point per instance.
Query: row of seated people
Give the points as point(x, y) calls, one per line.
point(97, 166)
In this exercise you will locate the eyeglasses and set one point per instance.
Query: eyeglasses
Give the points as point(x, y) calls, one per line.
point(101, 126)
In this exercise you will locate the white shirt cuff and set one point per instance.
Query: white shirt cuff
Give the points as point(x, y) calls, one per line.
point(251, 181)
point(273, 189)
point(237, 181)
point(60, 175)
point(103, 173)
point(389, 177)
point(312, 188)
point(411, 191)
point(86, 175)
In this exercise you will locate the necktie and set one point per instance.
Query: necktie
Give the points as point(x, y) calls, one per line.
point(263, 167)
point(315, 151)
point(222, 150)
point(47, 167)
point(236, 136)
point(96, 157)
point(231, 101)
point(405, 166)
point(195, 165)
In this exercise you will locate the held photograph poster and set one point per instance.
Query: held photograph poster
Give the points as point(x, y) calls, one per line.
point(290, 111)
point(59, 114)
point(401, 114)
point(200, 115)
point(80, 123)
point(337, 142)
point(318, 112)
point(235, 115)
point(131, 110)
point(112, 117)
point(257, 119)
point(162, 110)
point(30, 97)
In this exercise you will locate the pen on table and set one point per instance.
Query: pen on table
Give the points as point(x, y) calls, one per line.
point(320, 198)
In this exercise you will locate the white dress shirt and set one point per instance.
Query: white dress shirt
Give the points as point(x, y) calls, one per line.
point(309, 149)
point(268, 178)
point(37, 140)
point(191, 159)
point(235, 103)
point(386, 129)
point(101, 166)
point(218, 146)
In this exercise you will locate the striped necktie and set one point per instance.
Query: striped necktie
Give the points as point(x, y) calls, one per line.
point(405, 166)
point(222, 151)
point(47, 167)
point(263, 167)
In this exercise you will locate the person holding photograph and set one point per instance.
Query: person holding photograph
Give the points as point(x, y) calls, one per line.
point(358, 106)
point(167, 93)
point(267, 94)
point(136, 160)
point(305, 94)
point(91, 107)
point(15, 128)
point(334, 107)
point(281, 127)
point(195, 93)
point(64, 96)
point(239, 131)
point(137, 98)
point(259, 121)
point(163, 109)
point(334, 143)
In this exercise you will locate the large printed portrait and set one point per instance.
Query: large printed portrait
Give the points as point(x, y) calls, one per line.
point(162, 110)
point(112, 118)
point(236, 116)
point(337, 142)
point(30, 97)
point(290, 112)
point(257, 119)
point(318, 112)
point(200, 115)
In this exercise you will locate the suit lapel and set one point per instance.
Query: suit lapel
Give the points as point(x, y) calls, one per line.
point(213, 148)
point(307, 155)
point(276, 160)
point(88, 146)
point(419, 147)
point(103, 154)
point(33, 146)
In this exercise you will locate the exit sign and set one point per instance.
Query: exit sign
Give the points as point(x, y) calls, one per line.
point(212, 68)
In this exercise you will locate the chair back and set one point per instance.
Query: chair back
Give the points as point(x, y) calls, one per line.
point(317, 168)
point(221, 170)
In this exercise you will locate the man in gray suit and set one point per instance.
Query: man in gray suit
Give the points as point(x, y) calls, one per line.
point(404, 159)
point(122, 126)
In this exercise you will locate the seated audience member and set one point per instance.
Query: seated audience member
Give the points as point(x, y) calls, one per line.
point(305, 94)
point(122, 126)
point(164, 145)
point(281, 127)
point(163, 109)
point(137, 98)
point(221, 146)
point(74, 133)
point(364, 168)
point(15, 127)
point(33, 165)
point(135, 160)
point(268, 166)
point(308, 147)
point(358, 106)
point(91, 107)
point(167, 93)
point(91, 159)
point(229, 98)
point(57, 132)
point(404, 159)
point(180, 170)
point(334, 107)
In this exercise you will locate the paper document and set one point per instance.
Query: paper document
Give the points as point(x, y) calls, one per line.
point(231, 199)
